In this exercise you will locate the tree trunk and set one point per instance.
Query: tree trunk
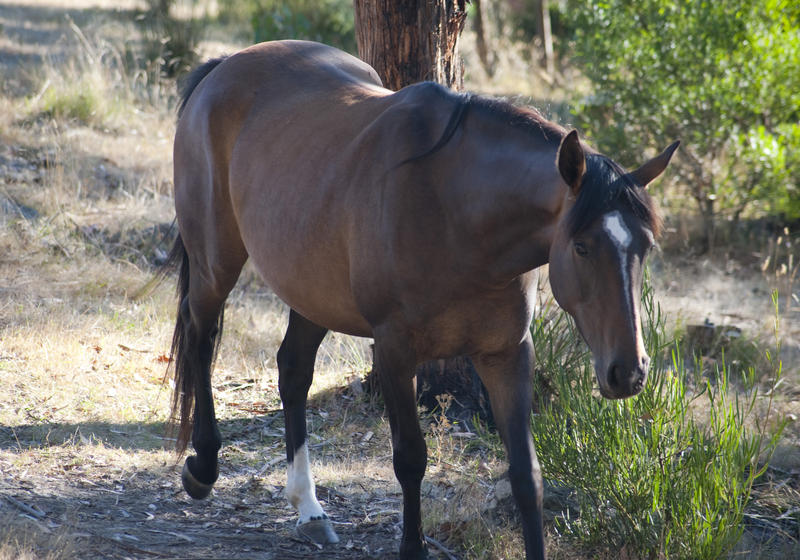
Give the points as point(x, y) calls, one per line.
point(481, 41)
point(409, 41)
point(546, 35)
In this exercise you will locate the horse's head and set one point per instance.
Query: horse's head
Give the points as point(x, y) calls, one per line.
point(597, 259)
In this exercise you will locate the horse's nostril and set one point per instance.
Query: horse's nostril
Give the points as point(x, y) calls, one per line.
point(613, 375)
point(627, 381)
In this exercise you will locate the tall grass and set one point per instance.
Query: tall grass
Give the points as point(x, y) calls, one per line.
point(665, 474)
point(104, 84)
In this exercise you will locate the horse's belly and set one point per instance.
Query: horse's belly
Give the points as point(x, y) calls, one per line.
point(324, 299)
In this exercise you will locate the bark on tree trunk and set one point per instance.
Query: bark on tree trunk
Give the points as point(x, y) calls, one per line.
point(409, 41)
point(481, 42)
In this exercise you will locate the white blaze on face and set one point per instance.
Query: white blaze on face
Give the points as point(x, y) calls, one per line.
point(619, 233)
point(616, 228)
point(300, 489)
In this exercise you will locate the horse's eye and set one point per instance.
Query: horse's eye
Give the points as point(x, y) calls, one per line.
point(581, 249)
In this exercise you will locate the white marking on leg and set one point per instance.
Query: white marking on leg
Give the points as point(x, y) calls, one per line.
point(300, 490)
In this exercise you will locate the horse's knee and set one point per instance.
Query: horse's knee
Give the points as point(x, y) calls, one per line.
point(206, 440)
point(410, 462)
point(293, 385)
point(527, 486)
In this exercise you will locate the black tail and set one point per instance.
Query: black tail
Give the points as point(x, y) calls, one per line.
point(194, 78)
point(185, 370)
point(183, 388)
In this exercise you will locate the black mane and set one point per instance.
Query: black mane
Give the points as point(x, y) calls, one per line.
point(526, 118)
point(606, 185)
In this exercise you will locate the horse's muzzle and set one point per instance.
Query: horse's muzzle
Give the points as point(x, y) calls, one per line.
point(624, 381)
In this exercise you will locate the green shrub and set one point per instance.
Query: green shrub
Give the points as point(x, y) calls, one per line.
point(326, 21)
point(77, 103)
point(721, 76)
point(665, 474)
point(170, 44)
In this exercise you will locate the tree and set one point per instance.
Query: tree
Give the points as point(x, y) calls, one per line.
point(722, 76)
point(409, 41)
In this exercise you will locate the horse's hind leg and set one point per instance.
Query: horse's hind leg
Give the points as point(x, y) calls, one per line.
point(203, 290)
point(201, 470)
point(296, 358)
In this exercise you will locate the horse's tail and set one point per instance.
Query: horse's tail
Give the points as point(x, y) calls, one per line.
point(183, 388)
point(184, 372)
point(194, 78)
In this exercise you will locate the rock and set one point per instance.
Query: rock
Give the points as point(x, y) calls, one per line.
point(502, 489)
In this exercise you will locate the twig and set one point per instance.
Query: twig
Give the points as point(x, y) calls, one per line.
point(171, 533)
point(37, 513)
point(442, 548)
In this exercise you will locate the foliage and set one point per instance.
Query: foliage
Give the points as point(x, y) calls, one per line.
point(665, 474)
point(326, 21)
point(78, 101)
point(170, 43)
point(721, 76)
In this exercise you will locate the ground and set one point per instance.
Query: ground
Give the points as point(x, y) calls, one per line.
point(85, 468)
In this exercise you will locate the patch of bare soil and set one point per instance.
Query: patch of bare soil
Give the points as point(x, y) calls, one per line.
point(114, 513)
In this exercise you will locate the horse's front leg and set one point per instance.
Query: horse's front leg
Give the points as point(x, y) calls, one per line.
point(507, 377)
point(395, 363)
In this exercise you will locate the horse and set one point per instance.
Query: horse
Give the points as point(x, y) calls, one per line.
point(417, 218)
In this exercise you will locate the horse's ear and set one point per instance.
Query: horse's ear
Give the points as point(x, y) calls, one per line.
point(571, 161)
point(655, 167)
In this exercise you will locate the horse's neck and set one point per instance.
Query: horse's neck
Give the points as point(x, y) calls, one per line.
point(508, 202)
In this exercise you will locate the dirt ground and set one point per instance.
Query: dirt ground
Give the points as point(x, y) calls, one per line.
point(86, 473)
point(99, 511)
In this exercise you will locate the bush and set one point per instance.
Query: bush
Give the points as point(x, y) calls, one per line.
point(722, 76)
point(665, 474)
point(325, 21)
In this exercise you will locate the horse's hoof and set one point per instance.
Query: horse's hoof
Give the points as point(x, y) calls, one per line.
point(196, 489)
point(319, 531)
point(414, 552)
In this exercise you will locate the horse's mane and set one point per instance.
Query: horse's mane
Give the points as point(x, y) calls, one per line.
point(518, 117)
point(522, 117)
point(605, 185)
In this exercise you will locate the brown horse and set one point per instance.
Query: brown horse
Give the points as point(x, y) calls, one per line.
point(414, 217)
